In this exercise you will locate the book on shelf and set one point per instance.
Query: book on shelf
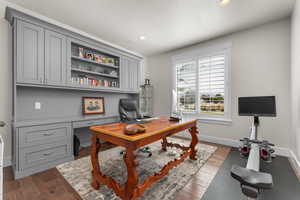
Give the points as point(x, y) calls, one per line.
point(86, 54)
point(93, 82)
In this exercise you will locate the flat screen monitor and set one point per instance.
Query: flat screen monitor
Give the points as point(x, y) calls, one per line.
point(257, 106)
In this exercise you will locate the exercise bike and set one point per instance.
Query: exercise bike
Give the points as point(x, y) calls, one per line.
point(252, 181)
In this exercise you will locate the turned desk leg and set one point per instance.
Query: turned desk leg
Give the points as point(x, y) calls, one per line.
point(164, 144)
point(95, 161)
point(132, 175)
point(193, 131)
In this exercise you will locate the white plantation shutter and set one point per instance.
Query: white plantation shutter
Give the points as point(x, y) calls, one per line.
point(203, 82)
point(212, 83)
point(186, 87)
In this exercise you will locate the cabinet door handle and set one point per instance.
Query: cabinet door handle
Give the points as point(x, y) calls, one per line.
point(47, 154)
point(2, 124)
point(48, 134)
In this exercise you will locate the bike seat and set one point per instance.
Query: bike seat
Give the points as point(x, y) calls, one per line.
point(249, 177)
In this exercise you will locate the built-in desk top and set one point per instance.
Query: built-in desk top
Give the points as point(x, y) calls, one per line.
point(77, 122)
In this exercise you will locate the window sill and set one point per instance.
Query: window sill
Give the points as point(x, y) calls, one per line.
point(211, 120)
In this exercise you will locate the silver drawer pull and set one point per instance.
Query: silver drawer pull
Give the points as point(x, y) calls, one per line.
point(48, 134)
point(2, 124)
point(47, 154)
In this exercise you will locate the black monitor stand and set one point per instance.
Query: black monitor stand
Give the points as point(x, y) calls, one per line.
point(256, 124)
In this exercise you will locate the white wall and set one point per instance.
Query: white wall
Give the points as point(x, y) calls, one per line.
point(295, 79)
point(5, 81)
point(260, 66)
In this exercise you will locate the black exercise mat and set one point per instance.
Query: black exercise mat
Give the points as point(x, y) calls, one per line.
point(224, 187)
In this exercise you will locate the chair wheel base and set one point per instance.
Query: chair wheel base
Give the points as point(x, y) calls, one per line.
point(145, 150)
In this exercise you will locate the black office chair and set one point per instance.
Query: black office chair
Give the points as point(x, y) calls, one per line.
point(129, 113)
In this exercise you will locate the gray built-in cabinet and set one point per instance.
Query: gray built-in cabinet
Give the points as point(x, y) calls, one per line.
point(44, 57)
point(48, 67)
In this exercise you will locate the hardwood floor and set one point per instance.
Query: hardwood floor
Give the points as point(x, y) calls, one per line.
point(195, 189)
point(50, 185)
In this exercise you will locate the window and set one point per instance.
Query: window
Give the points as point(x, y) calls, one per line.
point(211, 84)
point(202, 83)
point(186, 86)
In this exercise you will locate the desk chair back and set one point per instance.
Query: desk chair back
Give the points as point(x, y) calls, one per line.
point(128, 110)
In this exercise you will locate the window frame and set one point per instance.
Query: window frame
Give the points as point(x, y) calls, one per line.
point(195, 56)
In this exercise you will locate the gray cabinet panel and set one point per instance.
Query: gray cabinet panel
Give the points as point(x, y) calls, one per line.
point(37, 155)
point(69, 62)
point(125, 74)
point(55, 58)
point(130, 74)
point(134, 65)
point(30, 53)
point(45, 134)
point(41, 167)
point(130, 70)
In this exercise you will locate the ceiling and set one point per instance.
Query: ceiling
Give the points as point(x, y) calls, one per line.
point(167, 24)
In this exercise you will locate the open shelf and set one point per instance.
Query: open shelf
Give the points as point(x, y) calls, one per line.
point(95, 73)
point(94, 62)
point(92, 67)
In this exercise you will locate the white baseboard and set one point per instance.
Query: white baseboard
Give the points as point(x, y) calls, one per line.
point(217, 140)
point(235, 143)
point(295, 162)
point(7, 161)
point(282, 151)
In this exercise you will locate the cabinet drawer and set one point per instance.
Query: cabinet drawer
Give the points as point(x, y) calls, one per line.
point(87, 123)
point(37, 155)
point(37, 135)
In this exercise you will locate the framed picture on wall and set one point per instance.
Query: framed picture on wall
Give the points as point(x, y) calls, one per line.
point(93, 105)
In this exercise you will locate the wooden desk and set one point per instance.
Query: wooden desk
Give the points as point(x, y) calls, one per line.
point(157, 129)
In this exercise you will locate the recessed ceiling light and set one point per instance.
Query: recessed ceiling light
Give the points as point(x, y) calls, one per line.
point(142, 37)
point(223, 2)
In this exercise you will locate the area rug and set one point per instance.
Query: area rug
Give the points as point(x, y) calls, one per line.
point(78, 172)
